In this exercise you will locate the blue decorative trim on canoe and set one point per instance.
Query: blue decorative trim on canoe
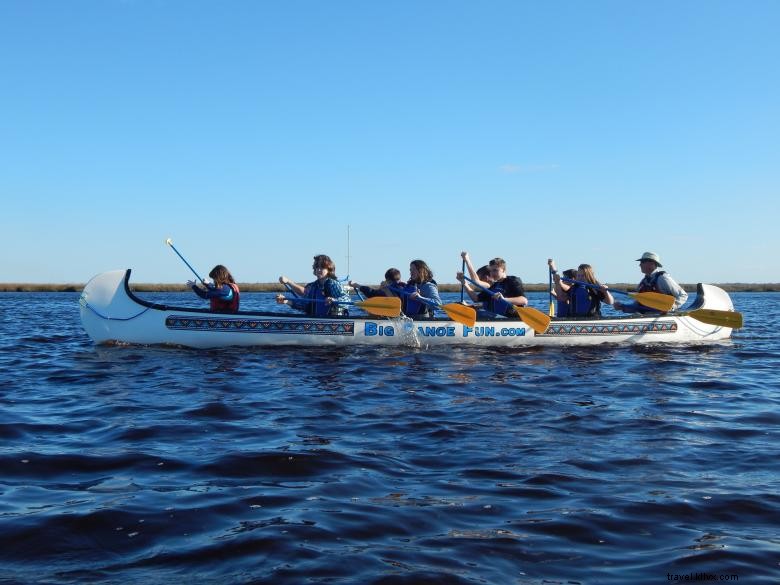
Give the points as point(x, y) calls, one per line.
point(293, 326)
point(610, 328)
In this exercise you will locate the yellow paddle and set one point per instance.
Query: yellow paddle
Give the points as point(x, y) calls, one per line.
point(731, 319)
point(455, 311)
point(460, 313)
point(538, 321)
point(381, 306)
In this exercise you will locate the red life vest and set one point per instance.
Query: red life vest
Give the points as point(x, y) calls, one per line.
point(223, 306)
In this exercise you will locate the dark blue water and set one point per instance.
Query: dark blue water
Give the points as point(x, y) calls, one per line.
point(383, 465)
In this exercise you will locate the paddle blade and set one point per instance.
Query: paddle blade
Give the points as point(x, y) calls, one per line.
point(731, 319)
point(654, 300)
point(461, 313)
point(534, 318)
point(381, 306)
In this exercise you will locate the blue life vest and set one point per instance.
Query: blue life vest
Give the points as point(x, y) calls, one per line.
point(411, 307)
point(585, 302)
point(562, 309)
point(500, 307)
point(319, 293)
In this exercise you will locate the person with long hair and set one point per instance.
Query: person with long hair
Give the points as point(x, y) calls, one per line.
point(223, 293)
point(421, 293)
point(584, 301)
point(321, 297)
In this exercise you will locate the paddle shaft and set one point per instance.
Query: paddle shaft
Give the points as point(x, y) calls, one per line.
point(486, 290)
point(185, 261)
point(596, 286)
point(291, 289)
point(358, 293)
point(550, 288)
point(400, 291)
point(462, 284)
point(303, 300)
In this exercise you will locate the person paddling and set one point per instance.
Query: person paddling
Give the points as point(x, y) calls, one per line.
point(223, 294)
point(583, 301)
point(503, 288)
point(421, 294)
point(321, 297)
point(655, 280)
point(561, 295)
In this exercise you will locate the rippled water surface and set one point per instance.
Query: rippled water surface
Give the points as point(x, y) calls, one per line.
point(385, 465)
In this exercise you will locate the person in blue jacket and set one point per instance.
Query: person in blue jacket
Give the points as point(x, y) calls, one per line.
point(421, 293)
point(223, 293)
point(323, 297)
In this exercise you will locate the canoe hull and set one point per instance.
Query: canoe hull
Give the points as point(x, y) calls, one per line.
point(110, 313)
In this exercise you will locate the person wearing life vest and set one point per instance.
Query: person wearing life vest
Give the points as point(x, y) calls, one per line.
point(561, 295)
point(655, 280)
point(584, 301)
point(223, 293)
point(503, 288)
point(322, 297)
point(421, 293)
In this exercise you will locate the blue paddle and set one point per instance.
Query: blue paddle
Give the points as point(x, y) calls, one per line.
point(170, 243)
point(290, 289)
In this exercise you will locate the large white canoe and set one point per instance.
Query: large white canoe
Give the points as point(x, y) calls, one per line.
point(111, 313)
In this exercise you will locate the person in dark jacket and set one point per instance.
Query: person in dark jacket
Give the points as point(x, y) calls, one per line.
point(503, 287)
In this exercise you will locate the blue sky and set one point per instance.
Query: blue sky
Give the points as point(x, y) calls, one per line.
point(254, 133)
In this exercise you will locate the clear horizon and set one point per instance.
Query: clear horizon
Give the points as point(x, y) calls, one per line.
point(258, 135)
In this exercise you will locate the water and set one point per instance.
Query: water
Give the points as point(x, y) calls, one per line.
point(385, 465)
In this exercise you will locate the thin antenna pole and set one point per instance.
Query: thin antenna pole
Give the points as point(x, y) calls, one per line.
point(348, 256)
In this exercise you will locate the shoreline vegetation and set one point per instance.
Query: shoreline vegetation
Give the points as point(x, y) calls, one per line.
point(276, 287)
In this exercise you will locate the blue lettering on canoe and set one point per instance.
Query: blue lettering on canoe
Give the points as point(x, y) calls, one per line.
point(491, 331)
point(436, 331)
point(372, 329)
